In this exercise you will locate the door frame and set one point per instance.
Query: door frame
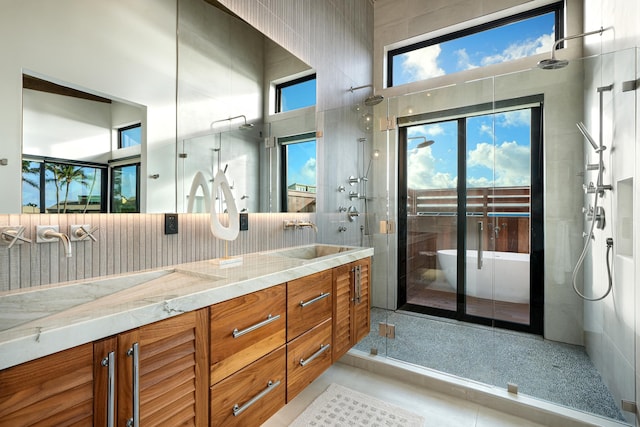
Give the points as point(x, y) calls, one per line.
point(536, 264)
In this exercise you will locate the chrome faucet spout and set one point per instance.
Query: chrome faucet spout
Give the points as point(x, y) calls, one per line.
point(302, 224)
point(64, 239)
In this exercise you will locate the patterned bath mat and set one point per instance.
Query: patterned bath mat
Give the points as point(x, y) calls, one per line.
point(340, 406)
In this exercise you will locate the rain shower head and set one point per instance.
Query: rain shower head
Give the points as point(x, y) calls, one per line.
point(373, 100)
point(555, 64)
point(425, 142)
point(370, 101)
point(245, 126)
point(552, 64)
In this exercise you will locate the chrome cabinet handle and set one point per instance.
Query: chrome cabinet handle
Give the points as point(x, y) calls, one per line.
point(480, 235)
point(236, 333)
point(237, 409)
point(323, 348)
point(322, 295)
point(111, 388)
point(134, 352)
point(357, 284)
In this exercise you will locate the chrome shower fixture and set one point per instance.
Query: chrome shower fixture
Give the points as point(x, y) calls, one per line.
point(425, 142)
point(244, 126)
point(585, 133)
point(553, 63)
point(370, 101)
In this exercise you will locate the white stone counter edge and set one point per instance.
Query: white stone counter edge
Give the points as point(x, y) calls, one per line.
point(37, 342)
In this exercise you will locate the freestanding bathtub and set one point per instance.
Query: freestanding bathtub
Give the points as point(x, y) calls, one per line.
point(504, 275)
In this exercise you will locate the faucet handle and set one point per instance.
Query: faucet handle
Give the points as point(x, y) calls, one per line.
point(82, 232)
point(12, 235)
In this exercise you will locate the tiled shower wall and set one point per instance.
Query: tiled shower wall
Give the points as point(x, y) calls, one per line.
point(132, 242)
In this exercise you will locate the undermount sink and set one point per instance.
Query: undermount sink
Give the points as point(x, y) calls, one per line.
point(311, 251)
point(38, 303)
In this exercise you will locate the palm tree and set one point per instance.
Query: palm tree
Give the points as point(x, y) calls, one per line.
point(65, 175)
point(27, 171)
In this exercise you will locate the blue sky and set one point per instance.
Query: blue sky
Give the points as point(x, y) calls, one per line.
point(498, 152)
point(506, 43)
point(301, 160)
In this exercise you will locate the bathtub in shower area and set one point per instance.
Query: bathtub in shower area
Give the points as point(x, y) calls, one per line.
point(504, 275)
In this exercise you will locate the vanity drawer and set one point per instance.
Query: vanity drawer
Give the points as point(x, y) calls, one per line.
point(246, 328)
point(309, 302)
point(250, 396)
point(308, 356)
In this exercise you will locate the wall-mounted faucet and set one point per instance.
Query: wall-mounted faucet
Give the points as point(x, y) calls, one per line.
point(82, 232)
point(296, 224)
point(51, 233)
point(10, 235)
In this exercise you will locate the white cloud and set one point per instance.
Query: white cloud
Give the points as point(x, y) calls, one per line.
point(515, 118)
point(509, 160)
point(308, 171)
point(423, 171)
point(464, 61)
point(422, 64)
point(522, 49)
point(429, 130)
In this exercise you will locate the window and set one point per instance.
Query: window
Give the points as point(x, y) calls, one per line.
point(125, 188)
point(62, 187)
point(299, 173)
point(295, 94)
point(130, 136)
point(503, 40)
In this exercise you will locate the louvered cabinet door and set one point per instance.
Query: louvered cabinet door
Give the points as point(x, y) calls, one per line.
point(172, 370)
point(342, 311)
point(362, 299)
point(352, 305)
point(52, 391)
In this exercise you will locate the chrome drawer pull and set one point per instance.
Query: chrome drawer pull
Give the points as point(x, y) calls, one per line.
point(322, 295)
point(323, 348)
point(134, 353)
point(270, 318)
point(237, 410)
point(109, 362)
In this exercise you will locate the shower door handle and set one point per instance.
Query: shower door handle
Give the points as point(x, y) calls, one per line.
point(480, 234)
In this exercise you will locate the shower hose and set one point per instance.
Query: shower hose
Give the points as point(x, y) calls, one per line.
point(584, 253)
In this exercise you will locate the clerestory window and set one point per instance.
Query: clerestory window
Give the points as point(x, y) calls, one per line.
point(499, 41)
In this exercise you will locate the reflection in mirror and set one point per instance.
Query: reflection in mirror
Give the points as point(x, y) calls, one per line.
point(229, 75)
point(298, 154)
point(77, 148)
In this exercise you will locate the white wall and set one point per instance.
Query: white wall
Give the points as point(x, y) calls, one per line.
point(120, 49)
point(66, 127)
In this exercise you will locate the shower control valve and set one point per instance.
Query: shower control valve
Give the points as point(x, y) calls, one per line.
point(589, 189)
point(354, 195)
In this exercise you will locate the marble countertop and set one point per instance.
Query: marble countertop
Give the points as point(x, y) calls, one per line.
point(40, 321)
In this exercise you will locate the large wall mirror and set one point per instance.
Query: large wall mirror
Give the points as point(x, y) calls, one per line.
point(241, 97)
point(183, 105)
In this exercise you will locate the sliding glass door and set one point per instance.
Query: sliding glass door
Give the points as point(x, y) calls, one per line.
point(465, 229)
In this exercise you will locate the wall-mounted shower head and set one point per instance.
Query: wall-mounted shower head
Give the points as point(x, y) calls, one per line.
point(555, 64)
point(244, 126)
point(585, 133)
point(425, 142)
point(370, 101)
point(373, 100)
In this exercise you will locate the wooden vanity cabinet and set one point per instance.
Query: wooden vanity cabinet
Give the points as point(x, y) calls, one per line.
point(309, 338)
point(352, 306)
point(248, 357)
point(162, 366)
point(51, 391)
